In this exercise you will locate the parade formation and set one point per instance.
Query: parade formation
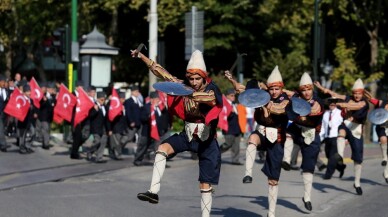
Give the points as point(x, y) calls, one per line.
point(283, 119)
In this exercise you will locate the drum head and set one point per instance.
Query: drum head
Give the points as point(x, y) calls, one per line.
point(254, 98)
point(378, 116)
point(173, 88)
point(300, 106)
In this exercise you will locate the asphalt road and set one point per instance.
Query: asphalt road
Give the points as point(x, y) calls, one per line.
point(88, 189)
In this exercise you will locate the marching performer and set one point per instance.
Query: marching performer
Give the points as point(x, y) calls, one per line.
point(272, 120)
point(200, 112)
point(304, 131)
point(382, 131)
point(355, 111)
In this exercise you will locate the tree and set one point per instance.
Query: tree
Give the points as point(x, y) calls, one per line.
point(23, 28)
point(370, 16)
point(287, 39)
point(348, 71)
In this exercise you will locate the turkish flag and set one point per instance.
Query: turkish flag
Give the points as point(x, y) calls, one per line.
point(225, 112)
point(65, 104)
point(115, 107)
point(84, 104)
point(36, 92)
point(154, 127)
point(18, 105)
point(163, 100)
point(57, 118)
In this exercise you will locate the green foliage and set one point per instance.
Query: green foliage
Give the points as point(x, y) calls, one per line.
point(347, 71)
point(288, 33)
point(272, 32)
point(382, 53)
point(56, 128)
point(291, 66)
point(177, 124)
point(221, 82)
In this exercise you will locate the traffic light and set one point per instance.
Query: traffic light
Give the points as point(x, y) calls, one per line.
point(61, 43)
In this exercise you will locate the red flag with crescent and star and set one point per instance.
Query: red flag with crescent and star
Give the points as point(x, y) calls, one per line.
point(57, 119)
point(223, 116)
point(84, 104)
point(36, 92)
point(18, 105)
point(65, 104)
point(154, 127)
point(115, 107)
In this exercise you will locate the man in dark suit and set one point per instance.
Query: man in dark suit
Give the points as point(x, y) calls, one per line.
point(153, 114)
point(26, 128)
point(97, 116)
point(3, 101)
point(132, 110)
point(81, 132)
point(118, 130)
point(233, 135)
point(45, 113)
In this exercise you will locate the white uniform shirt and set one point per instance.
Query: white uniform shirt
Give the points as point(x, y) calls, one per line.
point(331, 124)
point(3, 93)
point(137, 101)
point(250, 112)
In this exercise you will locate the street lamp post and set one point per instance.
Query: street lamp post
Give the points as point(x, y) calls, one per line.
point(96, 64)
point(153, 39)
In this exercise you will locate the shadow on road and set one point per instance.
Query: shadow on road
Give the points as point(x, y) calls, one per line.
point(233, 212)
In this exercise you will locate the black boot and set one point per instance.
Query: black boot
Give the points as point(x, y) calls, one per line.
point(148, 196)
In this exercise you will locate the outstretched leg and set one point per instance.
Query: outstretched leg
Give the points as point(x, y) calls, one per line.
point(357, 177)
point(308, 183)
point(273, 190)
point(288, 146)
point(250, 156)
point(159, 166)
point(383, 145)
point(206, 199)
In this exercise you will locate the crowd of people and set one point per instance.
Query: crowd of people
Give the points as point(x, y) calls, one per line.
point(333, 122)
point(276, 130)
point(28, 109)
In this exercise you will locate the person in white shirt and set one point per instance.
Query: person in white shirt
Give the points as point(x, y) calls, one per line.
point(332, 119)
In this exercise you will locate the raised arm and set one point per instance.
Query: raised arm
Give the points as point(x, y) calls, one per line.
point(277, 108)
point(352, 106)
point(372, 100)
point(289, 93)
point(208, 98)
point(328, 91)
point(237, 86)
point(155, 68)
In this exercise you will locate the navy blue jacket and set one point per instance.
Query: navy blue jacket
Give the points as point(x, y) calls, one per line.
point(132, 111)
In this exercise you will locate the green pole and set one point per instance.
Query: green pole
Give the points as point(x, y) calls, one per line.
point(74, 38)
point(67, 53)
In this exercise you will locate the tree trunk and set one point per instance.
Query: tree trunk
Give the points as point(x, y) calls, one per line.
point(373, 35)
point(113, 27)
point(8, 62)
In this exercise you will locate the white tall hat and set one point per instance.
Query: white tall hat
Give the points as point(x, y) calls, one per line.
point(358, 85)
point(275, 78)
point(305, 80)
point(196, 61)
